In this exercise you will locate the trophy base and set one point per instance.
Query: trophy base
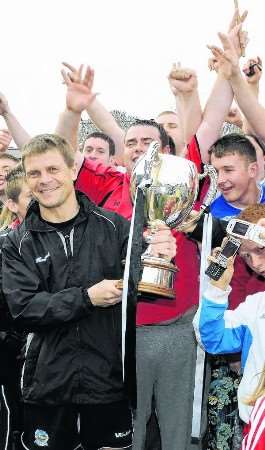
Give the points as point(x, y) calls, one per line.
point(157, 278)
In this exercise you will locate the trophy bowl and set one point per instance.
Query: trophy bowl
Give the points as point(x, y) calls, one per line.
point(170, 185)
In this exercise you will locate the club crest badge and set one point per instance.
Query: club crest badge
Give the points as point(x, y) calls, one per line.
point(41, 438)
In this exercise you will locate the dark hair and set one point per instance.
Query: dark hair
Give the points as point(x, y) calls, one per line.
point(104, 137)
point(42, 143)
point(258, 140)
point(234, 143)
point(164, 138)
point(172, 146)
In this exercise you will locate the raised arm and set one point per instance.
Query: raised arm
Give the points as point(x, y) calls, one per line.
point(253, 73)
point(184, 86)
point(102, 118)
point(18, 133)
point(244, 95)
point(221, 97)
point(78, 95)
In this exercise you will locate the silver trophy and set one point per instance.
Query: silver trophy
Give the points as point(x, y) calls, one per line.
point(170, 185)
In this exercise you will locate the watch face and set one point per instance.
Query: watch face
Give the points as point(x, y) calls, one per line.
point(240, 228)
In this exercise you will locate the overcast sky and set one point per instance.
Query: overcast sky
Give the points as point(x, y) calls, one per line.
point(130, 44)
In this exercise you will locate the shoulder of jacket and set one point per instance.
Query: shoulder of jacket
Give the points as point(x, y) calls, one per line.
point(110, 217)
point(16, 236)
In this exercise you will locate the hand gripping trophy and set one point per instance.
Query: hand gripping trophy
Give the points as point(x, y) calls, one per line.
point(170, 185)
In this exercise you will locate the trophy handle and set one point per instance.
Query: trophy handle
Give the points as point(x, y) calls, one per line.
point(151, 159)
point(209, 171)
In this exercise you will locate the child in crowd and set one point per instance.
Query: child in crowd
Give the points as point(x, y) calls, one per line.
point(222, 331)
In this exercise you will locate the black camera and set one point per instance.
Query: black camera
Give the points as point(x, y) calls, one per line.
point(251, 70)
point(216, 269)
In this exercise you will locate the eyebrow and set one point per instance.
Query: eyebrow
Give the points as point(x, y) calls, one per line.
point(130, 141)
point(7, 166)
point(92, 148)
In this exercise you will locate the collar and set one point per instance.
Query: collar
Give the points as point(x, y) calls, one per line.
point(33, 221)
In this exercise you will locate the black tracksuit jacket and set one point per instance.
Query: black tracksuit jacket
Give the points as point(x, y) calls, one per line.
point(73, 352)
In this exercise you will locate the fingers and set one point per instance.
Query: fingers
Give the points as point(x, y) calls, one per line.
point(230, 261)
point(163, 243)
point(243, 39)
point(69, 66)
point(5, 132)
point(215, 252)
point(235, 19)
point(253, 64)
point(225, 41)
point(244, 16)
point(5, 139)
point(89, 77)
point(216, 51)
point(80, 70)
point(66, 78)
point(212, 64)
point(76, 75)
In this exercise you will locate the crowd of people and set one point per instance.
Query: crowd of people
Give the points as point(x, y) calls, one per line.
point(64, 230)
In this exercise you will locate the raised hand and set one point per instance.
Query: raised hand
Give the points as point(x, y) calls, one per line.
point(213, 64)
point(5, 139)
point(253, 70)
point(4, 108)
point(227, 58)
point(79, 87)
point(234, 44)
point(182, 80)
point(226, 277)
point(238, 37)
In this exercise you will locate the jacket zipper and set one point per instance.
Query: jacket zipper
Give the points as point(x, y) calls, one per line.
point(69, 254)
point(68, 246)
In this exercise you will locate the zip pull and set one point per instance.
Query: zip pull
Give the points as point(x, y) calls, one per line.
point(68, 246)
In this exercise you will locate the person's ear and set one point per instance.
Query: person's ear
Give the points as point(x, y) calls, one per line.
point(112, 161)
point(74, 171)
point(253, 169)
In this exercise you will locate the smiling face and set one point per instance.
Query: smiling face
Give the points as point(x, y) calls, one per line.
point(137, 140)
point(235, 175)
point(49, 178)
point(97, 149)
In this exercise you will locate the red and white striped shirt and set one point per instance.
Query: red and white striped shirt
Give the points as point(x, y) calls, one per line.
point(255, 438)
